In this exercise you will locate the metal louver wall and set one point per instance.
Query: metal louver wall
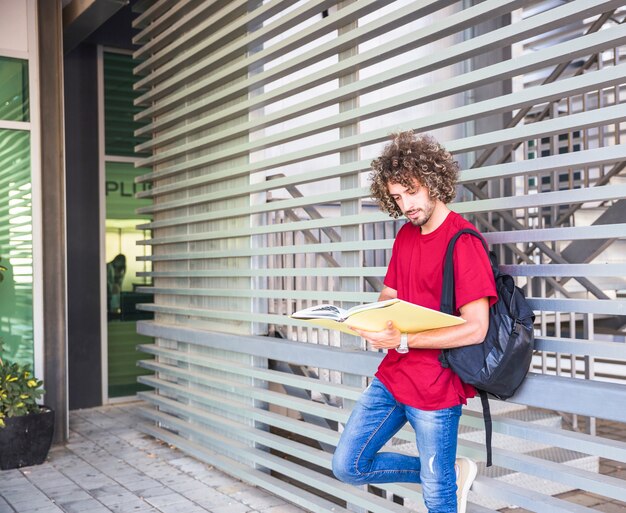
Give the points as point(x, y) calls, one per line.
point(262, 121)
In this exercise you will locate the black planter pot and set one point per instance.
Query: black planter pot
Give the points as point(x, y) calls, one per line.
point(26, 440)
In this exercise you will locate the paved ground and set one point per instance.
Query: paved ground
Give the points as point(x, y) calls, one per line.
point(108, 466)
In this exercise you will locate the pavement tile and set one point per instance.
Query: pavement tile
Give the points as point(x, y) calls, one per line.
point(283, 508)
point(60, 492)
point(84, 506)
point(31, 499)
point(50, 508)
point(207, 496)
point(73, 496)
point(233, 507)
point(33, 505)
point(108, 466)
point(123, 502)
point(182, 508)
point(155, 491)
point(259, 501)
point(113, 495)
point(139, 483)
point(159, 501)
point(5, 507)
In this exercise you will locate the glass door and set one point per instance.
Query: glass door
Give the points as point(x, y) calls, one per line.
point(125, 272)
point(16, 228)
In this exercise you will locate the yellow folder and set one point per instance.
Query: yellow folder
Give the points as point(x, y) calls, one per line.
point(408, 317)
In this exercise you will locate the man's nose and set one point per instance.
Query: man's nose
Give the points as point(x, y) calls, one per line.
point(409, 203)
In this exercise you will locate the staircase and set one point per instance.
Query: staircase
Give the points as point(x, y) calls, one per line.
point(519, 445)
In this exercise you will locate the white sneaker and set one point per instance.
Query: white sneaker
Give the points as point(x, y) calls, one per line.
point(466, 471)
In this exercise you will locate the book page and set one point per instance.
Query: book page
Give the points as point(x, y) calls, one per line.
point(321, 312)
point(370, 306)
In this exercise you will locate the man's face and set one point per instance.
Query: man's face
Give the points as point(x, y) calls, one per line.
point(415, 202)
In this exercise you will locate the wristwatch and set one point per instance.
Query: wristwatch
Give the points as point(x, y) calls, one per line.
point(404, 343)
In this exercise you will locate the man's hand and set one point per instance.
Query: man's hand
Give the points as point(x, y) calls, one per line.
point(386, 339)
point(476, 313)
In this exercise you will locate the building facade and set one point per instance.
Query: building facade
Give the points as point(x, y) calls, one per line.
point(251, 130)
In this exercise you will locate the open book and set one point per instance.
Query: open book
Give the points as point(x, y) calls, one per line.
point(409, 318)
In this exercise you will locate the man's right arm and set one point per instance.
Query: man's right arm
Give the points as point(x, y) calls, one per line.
point(387, 293)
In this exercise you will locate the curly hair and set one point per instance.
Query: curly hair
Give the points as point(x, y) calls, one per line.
point(410, 157)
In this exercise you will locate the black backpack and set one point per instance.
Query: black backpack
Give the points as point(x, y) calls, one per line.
point(500, 363)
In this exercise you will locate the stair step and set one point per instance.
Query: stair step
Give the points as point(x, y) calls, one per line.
point(513, 443)
point(497, 407)
point(570, 458)
point(510, 443)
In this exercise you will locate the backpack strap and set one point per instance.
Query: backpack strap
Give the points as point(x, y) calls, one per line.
point(484, 399)
point(448, 306)
point(447, 293)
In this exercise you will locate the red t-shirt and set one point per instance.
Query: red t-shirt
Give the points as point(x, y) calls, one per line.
point(416, 273)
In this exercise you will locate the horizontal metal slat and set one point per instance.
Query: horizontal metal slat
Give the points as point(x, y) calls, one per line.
point(495, 39)
point(608, 307)
point(565, 270)
point(246, 473)
point(232, 315)
point(589, 119)
point(438, 29)
point(318, 199)
point(214, 46)
point(361, 86)
point(272, 294)
point(533, 270)
point(227, 272)
point(574, 395)
point(500, 71)
point(352, 494)
point(583, 479)
point(266, 417)
point(342, 42)
point(314, 456)
point(594, 157)
point(567, 394)
point(326, 357)
point(261, 437)
point(527, 499)
point(573, 196)
point(576, 478)
point(605, 231)
point(608, 231)
point(248, 392)
point(548, 435)
point(587, 82)
point(592, 348)
point(152, 20)
point(283, 378)
point(265, 229)
point(557, 437)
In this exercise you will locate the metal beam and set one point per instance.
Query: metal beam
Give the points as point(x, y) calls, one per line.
point(53, 213)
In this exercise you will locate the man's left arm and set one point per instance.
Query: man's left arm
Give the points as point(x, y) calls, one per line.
point(473, 331)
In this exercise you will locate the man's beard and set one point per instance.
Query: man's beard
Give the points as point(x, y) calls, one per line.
point(426, 214)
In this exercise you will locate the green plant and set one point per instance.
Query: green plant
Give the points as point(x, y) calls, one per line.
point(2, 271)
point(19, 390)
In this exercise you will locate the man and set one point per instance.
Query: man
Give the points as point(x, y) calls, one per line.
point(416, 177)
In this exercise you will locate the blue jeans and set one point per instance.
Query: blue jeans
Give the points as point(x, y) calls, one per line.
point(376, 418)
